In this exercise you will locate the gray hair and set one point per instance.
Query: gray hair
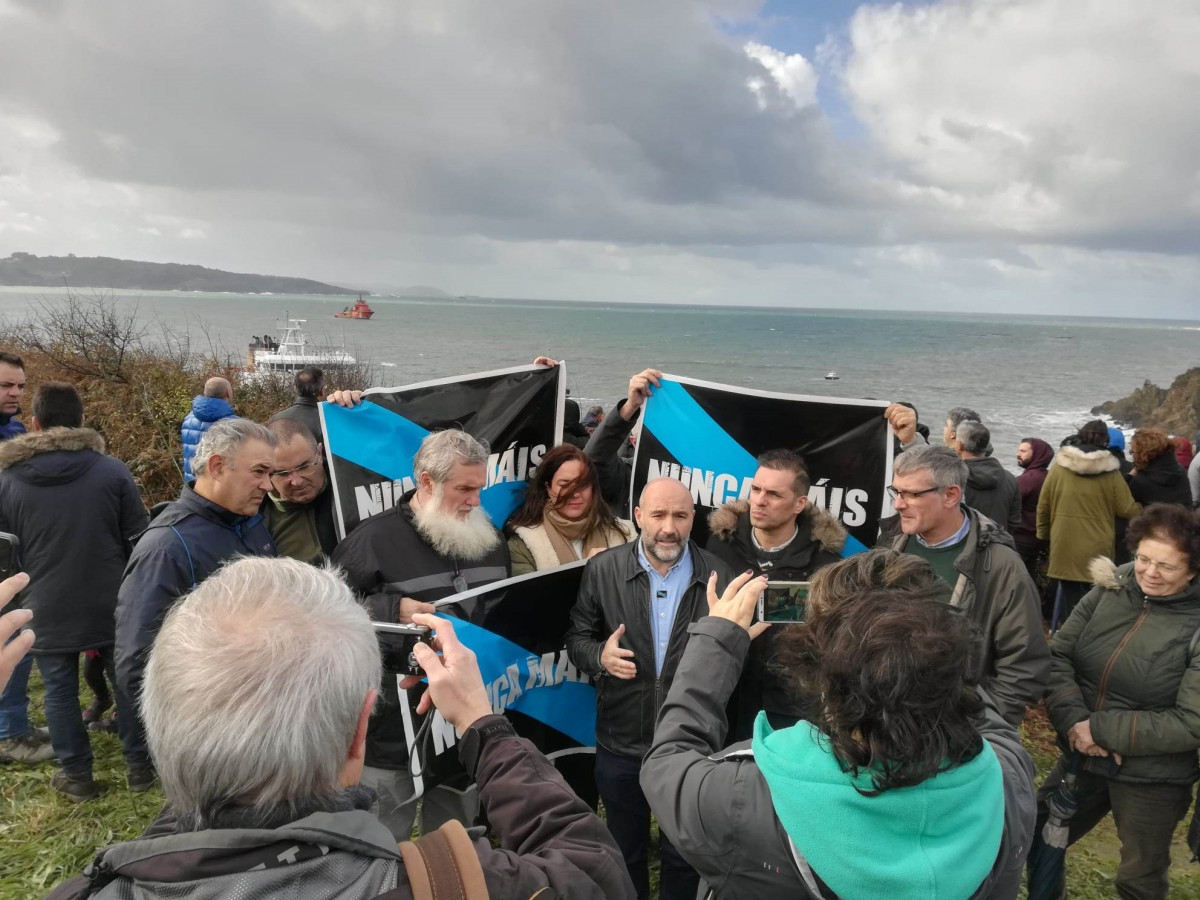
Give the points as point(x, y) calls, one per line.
point(945, 468)
point(217, 387)
point(254, 689)
point(961, 414)
point(442, 450)
point(974, 437)
point(225, 438)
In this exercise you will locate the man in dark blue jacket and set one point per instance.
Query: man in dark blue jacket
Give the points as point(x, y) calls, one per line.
point(215, 404)
point(213, 520)
point(18, 741)
point(76, 512)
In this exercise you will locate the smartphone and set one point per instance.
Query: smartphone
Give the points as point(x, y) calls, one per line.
point(9, 564)
point(784, 602)
point(396, 644)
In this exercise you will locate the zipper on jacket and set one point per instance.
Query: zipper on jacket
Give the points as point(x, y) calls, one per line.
point(1112, 660)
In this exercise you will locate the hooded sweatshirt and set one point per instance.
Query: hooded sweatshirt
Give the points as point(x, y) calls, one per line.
point(1029, 482)
point(992, 490)
point(931, 841)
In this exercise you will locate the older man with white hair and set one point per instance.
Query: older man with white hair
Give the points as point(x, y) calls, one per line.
point(435, 542)
point(256, 702)
point(214, 519)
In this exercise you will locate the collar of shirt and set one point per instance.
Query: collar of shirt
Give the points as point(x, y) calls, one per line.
point(758, 546)
point(685, 556)
point(952, 540)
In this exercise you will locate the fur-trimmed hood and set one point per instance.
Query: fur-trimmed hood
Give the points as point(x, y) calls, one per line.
point(826, 530)
point(1104, 573)
point(1086, 462)
point(35, 443)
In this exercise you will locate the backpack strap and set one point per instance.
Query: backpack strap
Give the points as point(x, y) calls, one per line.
point(444, 865)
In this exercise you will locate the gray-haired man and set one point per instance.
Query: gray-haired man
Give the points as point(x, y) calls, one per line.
point(982, 572)
point(991, 489)
point(435, 542)
point(214, 519)
point(260, 745)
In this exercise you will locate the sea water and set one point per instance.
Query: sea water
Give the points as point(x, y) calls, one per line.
point(1027, 376)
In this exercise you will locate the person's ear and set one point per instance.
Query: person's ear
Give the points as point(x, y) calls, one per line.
point(637, 517)
point(34, 424)
point(953, 496)
point(216, 466)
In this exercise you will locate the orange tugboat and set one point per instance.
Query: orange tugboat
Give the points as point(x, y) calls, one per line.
point(360, 310)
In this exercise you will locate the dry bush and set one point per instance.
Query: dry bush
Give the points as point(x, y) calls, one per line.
point(137, 385)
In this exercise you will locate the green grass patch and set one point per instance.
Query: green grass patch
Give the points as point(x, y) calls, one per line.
point(46, 838)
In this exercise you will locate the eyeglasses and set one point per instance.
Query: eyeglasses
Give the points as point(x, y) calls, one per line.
point(1147, 563)
point(302, 469)
point(907, 496)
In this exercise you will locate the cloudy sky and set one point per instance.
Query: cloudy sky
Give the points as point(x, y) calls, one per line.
point(974, 155)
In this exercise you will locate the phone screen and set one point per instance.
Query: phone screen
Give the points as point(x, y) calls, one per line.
point(784, 602)
point(8, 555)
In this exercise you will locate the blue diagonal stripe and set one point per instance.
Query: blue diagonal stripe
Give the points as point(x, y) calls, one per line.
point(382, 441)
point(569, 707)
point(691, 435)
point(374, 438)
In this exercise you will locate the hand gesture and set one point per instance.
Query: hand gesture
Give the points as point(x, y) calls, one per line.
point(410, 607)
point(617, 661)
point(455, 685)
point(739, 602)
point(903, 421)
point(639, 390)
point(11, 654)
point(545, 361)
point(345, 399)
point(1079, 737)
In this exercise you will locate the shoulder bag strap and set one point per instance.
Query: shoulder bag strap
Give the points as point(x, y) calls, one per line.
point(444, 865)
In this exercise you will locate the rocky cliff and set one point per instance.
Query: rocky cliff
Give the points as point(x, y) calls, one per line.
point(1176, 409)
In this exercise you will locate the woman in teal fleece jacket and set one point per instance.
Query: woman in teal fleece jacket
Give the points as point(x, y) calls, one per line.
point(903, 782)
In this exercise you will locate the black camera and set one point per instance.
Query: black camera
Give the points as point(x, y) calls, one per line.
point(9, 565)
point(396, 644)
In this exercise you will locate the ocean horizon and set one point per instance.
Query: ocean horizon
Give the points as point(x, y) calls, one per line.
point(1027, 376)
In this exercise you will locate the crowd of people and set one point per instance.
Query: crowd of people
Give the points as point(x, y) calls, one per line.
point(871, 751)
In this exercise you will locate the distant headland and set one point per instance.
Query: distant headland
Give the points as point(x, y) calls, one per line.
point(25, 269)
point(1175, 409)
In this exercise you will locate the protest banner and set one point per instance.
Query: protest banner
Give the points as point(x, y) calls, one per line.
point(708, 435)
point(517, 413)
point(516, 628)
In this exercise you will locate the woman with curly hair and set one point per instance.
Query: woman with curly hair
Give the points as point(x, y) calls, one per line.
point(1157, 475)
point(563, 518)
point(1125, 692)
point(902, 782)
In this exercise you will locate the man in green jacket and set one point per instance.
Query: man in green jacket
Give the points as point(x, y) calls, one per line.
point(982, 573)
point(299, 510)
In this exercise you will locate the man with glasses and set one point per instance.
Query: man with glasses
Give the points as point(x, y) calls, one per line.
point(299, 509)
point(981, 571)
point(215, 519)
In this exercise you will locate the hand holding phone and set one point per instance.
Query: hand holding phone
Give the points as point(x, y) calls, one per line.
point(784, 603)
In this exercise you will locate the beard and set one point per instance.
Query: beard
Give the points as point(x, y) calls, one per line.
point(468, 539)
point(666, 552)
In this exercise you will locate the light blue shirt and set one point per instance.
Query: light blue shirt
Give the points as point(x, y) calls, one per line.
point(953, 539)
point(665, 593)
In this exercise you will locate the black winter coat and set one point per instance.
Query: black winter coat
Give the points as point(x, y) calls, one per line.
point(615, 589)
point(818, 543)
point(605, 448)
point(992, 490)
point(384, 559)
point(1163, 480)
point(76, 513)
point(303, 410)
point(186, 542)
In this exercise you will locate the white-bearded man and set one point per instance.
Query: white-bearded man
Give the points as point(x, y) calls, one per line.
point(435, 542)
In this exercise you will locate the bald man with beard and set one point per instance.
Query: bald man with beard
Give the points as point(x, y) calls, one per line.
point(628, 630)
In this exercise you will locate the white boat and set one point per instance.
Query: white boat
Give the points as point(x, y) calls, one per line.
point(832, 376)
point(291, 353)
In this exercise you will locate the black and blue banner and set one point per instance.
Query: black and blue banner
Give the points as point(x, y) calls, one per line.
point(517, 413)
point(708, 436)
point(516, 628)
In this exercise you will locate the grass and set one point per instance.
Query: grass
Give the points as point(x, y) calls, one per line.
point(45, 838)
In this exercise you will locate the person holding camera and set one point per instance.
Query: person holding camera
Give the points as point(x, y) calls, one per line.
point(904, 783)
point(257, 695)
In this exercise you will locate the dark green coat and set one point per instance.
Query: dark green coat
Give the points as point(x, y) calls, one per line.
point(1126, 662)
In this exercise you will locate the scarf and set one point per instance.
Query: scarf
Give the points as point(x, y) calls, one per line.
point(563, 532)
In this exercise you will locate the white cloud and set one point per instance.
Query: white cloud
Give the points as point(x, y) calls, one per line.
point(791, 73)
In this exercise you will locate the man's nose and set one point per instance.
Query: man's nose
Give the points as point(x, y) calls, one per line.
point(473, 498)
